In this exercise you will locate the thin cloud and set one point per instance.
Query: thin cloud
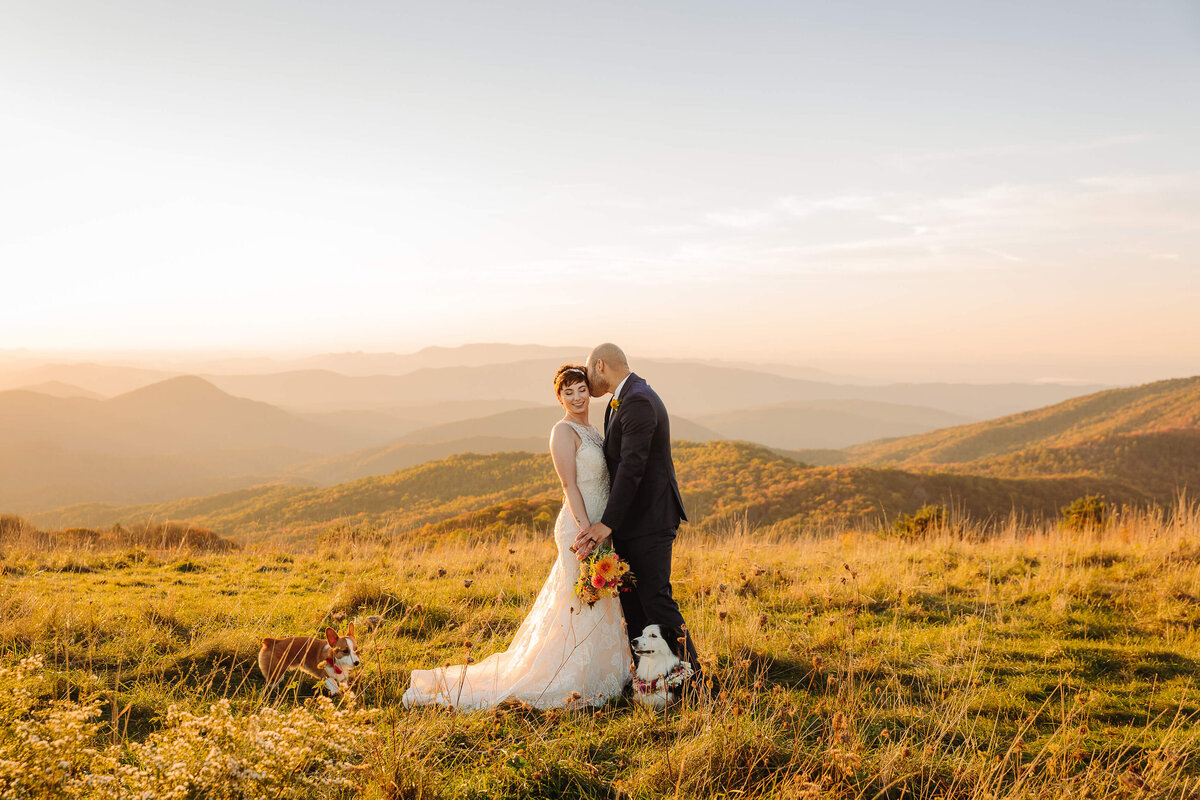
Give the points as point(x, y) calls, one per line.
point(1044, 223)
point(785, 208)
point(1002, 255)
point(911, 161)
point(741, 218)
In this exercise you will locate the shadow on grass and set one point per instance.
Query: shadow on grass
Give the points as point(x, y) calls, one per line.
point(1103, 663)
point(421, 621)
point(169, 622)
point(1164, 665)
point(215, 666)
point(941, 609)
point(782, 670)
point(1095, 626)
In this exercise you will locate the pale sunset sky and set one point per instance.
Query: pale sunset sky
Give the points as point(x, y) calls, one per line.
point(925, 189)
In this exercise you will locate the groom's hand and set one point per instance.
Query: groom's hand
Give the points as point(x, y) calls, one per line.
point(590, 538)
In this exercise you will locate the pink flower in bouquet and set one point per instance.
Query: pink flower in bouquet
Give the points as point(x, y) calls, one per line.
point(598, 581)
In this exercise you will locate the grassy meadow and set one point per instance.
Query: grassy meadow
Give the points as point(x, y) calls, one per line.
point(1015, 660)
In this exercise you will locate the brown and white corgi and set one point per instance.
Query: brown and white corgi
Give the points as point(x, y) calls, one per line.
point(329, 659)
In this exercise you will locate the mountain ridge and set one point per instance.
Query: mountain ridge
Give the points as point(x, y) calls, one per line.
point(826, 423)
point(722, 482)
point(536, 421)
point(690, 387)
point(1152, 407)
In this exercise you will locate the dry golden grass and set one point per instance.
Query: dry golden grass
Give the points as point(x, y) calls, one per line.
point(1010, 661)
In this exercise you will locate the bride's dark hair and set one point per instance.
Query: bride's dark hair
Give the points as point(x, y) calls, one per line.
point(569, 375)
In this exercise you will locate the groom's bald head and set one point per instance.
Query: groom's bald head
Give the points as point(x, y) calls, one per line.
point(610, 354)
point(606, 367)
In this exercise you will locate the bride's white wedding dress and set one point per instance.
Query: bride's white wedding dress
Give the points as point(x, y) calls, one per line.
point(564, 654)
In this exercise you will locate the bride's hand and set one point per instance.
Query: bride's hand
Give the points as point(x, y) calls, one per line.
point(583, 543)
point(590, 538)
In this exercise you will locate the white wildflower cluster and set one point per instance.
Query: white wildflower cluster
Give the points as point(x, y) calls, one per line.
point(53, 748)
point(298, 753)
point(45, 745)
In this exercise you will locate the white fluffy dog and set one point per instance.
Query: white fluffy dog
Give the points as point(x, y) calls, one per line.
point(661, 670)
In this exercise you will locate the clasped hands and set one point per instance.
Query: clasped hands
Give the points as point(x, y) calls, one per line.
point(589, 539)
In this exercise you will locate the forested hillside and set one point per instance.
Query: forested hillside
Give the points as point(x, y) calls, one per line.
point(1151, 408)
point(721, 482)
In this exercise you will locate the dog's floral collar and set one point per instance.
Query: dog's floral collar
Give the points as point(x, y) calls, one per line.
point(336, 669)
point(676, 676)
point(615, 403)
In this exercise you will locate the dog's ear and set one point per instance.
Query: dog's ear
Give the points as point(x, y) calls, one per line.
point(331, 636)
point(350, 631)
point(675, 641)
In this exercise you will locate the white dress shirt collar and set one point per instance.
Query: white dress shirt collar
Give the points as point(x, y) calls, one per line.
point(620, 386)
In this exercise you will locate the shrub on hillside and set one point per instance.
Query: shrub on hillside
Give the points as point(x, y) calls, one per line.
point(499, 519)
point(17, 531)
point(913, 526)
point(78, 536)
point(170, 535)
point(359, 595)
point(345, 534)
point(13, 527)
point(143, 536)
point(1085, 513)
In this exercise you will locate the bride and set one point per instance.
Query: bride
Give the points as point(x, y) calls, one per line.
point(565, 653)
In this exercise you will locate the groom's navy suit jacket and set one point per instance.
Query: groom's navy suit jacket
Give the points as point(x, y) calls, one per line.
point(637, 446)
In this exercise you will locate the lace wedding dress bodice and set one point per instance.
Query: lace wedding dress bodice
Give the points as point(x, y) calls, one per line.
point(591, 476)
point(564, 654)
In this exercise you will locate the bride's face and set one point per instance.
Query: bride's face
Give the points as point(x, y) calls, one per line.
point(574, 397)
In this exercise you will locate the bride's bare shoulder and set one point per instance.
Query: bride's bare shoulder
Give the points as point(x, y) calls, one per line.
point(561, 429)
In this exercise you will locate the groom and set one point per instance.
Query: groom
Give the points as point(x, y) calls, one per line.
point(644, 507)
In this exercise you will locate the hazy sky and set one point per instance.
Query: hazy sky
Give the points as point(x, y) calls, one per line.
point(915, 185)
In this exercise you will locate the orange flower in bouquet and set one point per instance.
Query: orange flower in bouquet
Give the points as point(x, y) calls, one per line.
point(601, 575)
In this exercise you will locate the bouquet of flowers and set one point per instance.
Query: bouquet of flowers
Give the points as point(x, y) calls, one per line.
point(601, 575)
